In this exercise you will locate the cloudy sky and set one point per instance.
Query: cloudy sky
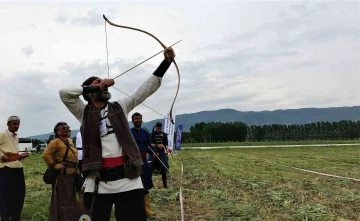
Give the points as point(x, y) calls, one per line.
point(248, 56)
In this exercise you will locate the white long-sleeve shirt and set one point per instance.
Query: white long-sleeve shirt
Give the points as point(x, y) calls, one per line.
point(110, 145)
point(79, 145)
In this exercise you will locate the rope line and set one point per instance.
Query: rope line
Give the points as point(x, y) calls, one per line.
point(315, 172)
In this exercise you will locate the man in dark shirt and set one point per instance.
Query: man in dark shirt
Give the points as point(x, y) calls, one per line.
point(143, 141)
point(160, 142)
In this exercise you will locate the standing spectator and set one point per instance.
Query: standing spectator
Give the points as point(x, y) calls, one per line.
point(12, 180)
point(80, 156)
point(160, 141)
point(61, 155)
point(143, 141)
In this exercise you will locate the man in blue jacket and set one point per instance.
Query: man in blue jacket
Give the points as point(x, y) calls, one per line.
point(143, 141)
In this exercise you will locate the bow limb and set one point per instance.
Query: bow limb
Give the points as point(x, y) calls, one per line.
point(135, 29)
point(177, 90)
point(172, 157)
point(163, 45)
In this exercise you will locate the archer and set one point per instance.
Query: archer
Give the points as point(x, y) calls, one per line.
point(111, 158)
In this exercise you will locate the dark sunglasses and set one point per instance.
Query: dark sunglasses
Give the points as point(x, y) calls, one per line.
point(63, 127)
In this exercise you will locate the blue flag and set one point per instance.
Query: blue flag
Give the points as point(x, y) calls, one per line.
point(178, 136)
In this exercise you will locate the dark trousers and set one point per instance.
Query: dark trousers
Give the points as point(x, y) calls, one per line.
point(129, 206)
point(157, 165)
point(80, 165)
point(163, 176)
point(82, 178)
point(12, 193)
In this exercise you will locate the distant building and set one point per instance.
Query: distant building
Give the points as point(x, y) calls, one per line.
point(25, 145)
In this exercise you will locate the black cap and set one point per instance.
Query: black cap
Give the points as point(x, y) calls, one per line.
point(158, 123)
point(89, 81)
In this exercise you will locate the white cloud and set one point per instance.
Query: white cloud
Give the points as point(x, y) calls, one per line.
point(241, 55)
point(61, 19)
point(27, 50)
point(91, 19)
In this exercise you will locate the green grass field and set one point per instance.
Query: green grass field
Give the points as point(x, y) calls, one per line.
point(236, 184)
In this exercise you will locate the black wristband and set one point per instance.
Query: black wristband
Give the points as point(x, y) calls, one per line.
point(161, 70)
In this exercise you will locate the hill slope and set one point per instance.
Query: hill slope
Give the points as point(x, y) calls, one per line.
point(289, 116)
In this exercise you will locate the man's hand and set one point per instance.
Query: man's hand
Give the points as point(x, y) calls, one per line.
point(106, 83)
point(161, 146)
point(4, 157)
point(24, 155)
point(59, 166)
point(169, 54)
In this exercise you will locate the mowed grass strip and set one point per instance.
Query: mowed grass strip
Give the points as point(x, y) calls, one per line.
point(236, 184)
point(302, 142)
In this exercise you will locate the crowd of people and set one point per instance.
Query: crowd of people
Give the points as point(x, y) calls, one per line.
point(111, 164)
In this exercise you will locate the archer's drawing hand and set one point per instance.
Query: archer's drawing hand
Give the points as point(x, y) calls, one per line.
point(106, 83)
point(169, 54)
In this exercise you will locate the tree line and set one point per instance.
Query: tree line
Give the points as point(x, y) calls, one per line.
point(240, 132)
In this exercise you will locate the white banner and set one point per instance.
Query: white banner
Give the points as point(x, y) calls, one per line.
point(169, 128)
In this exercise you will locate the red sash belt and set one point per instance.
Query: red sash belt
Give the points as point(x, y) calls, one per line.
point(113, 162)
point(11, 157)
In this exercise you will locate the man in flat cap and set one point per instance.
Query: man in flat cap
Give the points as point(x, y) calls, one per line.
point(12, 180)
point(111, 158)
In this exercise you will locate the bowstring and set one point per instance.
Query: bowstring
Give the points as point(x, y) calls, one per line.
point(140, 102)
point(107, 52)
point(182, 169)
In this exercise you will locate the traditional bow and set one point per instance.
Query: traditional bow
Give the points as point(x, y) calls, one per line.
point(163, 45)
point(172, 157)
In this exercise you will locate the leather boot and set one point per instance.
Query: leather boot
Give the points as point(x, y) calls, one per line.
point(147, 206)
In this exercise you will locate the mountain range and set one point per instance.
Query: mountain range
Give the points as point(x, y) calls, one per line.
point(287, 116)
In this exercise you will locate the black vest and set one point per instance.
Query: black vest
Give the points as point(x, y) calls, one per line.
point(92, 150)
